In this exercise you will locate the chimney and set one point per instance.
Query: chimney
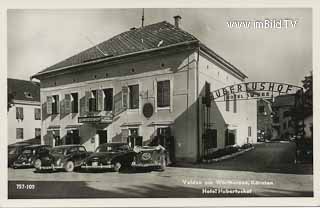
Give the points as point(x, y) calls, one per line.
point(177, 19)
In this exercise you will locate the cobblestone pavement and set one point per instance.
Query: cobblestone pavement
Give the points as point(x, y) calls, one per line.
point(268, 170)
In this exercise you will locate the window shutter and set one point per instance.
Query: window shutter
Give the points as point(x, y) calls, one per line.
point(125, 97)
point(82, 106)
point(21, 113)
point(58, 104)
point(67, 103)
point(117, 103)
point(166, 93)
point(62, 107)
point(49, 105)
point(17, 113)
point(87, 98)
point(159, 94)
point(100, 100)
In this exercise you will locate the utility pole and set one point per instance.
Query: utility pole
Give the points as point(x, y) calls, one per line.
point(142, 18)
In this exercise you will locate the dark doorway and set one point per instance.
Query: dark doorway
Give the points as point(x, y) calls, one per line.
point(72, 137)
point(103, 136)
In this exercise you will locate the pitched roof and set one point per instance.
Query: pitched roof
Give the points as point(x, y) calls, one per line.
point(24, 90)
point(151, 37)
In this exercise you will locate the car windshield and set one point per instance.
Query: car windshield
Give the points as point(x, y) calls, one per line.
point(27, 151)
point(57, 150)
point(112, 148)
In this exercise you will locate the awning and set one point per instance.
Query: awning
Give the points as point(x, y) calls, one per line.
point(54, 127)
point(125, 124)
point(73, 127)
point(161, 123)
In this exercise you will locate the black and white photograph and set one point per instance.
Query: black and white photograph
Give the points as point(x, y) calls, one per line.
point(160, 103)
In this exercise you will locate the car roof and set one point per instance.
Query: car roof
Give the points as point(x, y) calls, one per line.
point(113, 144)
point(68, 146)
point(19, 144)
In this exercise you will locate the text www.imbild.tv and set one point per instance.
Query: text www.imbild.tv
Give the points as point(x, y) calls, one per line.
point(262, 24)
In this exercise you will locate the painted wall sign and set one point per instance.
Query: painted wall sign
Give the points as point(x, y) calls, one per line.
point(251, 90)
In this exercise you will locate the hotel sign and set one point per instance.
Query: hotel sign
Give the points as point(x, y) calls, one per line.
point(252, 90)
point(95, 119)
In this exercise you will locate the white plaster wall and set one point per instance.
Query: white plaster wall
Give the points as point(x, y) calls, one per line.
point(28, 123)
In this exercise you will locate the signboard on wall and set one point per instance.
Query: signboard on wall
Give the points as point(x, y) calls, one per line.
point(253, 90)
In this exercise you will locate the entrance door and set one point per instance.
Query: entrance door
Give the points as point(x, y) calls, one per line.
point(103, 136)
point(165, 139)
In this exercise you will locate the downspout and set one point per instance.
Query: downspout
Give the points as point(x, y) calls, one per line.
point(198, 106)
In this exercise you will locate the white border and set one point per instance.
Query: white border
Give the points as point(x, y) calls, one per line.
point(195, 202)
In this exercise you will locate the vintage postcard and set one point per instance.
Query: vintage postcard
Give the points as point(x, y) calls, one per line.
point(159, 103)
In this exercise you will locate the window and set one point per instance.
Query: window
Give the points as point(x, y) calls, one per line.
point(19, 133)
point(37, 114)
point(261, 109)
point(37, 132)
point(227, 103)
point(74, 103)
point(108, 99)
point(134, 97)
point(249, 131)
point(235, 104)
point(163, 93)
point(55, 104)
point(93, 101)
point(19, 113)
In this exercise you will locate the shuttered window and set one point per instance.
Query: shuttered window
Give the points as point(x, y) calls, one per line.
point(227, 102)
point(163, 93)
point(134, 96)
point(37, 114)
point(55, 104)
point(19, 133)
point(19, 113)
point(93, 101)
point(108, 99)
point(37, 132)
point(74, 102)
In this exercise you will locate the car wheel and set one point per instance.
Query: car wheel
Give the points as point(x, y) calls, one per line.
point(37, 164)
point(117, 166)
point(69, 167)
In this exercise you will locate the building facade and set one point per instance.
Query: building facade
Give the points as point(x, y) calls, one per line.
point(264, 116)
point(24, 115)
point(145, 86)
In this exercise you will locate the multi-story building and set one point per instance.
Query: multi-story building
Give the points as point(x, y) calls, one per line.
point(283, 125)
point(24, 114)
point(264, 116)
point(144, 86)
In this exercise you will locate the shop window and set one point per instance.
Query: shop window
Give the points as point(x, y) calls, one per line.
point(37, 132)
point(108, 99)
point(134, 97)
point(134, 139)
point(72, 137)
point(249, 131)
point(19, 113)
point(93, 101)
point(163, 93)
point(55, 104)
point(37, 114)
point(19, 133)
point(74, 103)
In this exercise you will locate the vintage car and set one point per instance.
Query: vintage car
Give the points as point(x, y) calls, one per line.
point(29, 154)
point(150, 157)
point(66, 157)
point(14, 150)
point(110, 156)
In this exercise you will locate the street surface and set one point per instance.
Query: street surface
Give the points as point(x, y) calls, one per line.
point(268, 170)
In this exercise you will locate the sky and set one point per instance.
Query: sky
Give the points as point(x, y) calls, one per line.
point(40, 38)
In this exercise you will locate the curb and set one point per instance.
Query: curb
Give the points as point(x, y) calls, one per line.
point(227, 156)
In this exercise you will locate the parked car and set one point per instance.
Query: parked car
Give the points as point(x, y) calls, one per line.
point(29, 154)
point(14, 150)
point(66, 157)
point(110, 156)
point(150, 156)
